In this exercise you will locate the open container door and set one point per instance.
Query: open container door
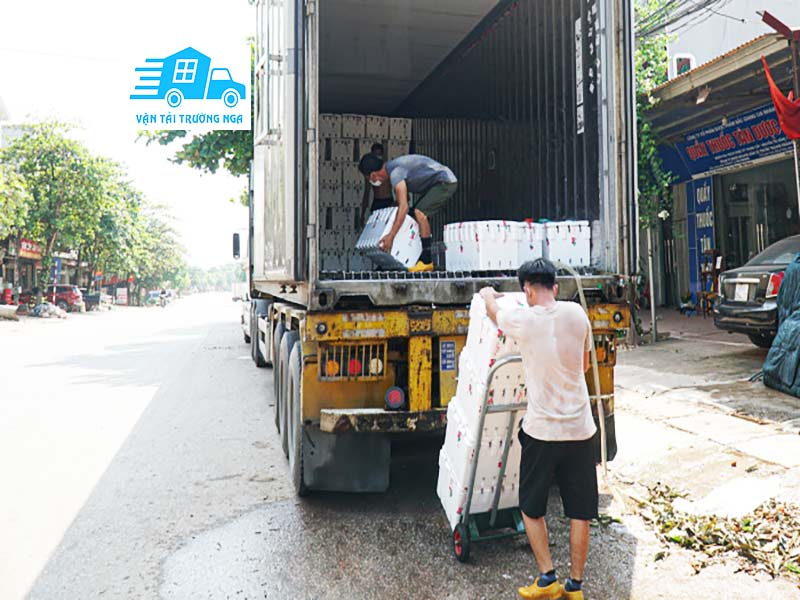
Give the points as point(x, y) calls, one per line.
point(279, 131)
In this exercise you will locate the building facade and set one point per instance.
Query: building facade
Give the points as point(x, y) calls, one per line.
point(735, 189)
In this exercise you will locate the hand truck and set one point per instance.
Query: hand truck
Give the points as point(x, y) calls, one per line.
point(495, 524)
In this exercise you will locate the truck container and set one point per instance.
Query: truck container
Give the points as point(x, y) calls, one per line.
point(529, 102)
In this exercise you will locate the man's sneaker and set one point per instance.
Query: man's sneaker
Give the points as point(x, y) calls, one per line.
point(554, 591)
point(576, 595)
point(421, 267)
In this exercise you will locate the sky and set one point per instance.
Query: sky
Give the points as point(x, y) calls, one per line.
point(72, 61)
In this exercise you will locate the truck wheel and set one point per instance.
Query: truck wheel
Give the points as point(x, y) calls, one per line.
point(287, 343)
point(277, 336)
point(260, 362)
point(461, 543)
point(294, 423)
point(246, 336)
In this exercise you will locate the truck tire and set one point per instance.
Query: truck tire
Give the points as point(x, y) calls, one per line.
point(287, 343)
point(294, 423)
point(277, 336)
point(261, 309)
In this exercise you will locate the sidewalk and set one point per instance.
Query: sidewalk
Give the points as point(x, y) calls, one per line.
point(687, 417)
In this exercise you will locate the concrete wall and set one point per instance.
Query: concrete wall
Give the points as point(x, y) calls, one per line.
point(707, 34)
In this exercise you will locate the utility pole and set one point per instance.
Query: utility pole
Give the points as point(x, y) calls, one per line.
point(793, 36)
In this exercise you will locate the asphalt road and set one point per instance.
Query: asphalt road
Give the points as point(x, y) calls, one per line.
point(139, 460)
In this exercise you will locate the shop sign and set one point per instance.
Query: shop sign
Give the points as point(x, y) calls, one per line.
point(30, 249)
point(736, 141)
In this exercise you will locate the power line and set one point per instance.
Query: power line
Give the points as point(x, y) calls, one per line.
point(670, 14)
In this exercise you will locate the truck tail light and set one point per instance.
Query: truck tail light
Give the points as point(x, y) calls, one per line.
point(775, 280)
point(395, 398)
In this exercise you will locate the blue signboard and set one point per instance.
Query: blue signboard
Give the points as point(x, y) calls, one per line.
point(741, 139)
point(448, 357)
point(700, 226)
point(55, 271)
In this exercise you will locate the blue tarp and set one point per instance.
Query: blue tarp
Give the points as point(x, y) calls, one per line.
point(782, 367)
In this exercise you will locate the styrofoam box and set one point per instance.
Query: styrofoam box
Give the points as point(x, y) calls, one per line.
point(350, 237)
point(354, 126)
point(461, 251)
point(330, 195)
point(330, 125)
point(351, 176)
point(460, 441)
point(508, 385)
point(397, 148)
point(352, 197)
point(400, 129)
point(342, 150)
point(377, 127)
point(530, 241)
point(568, 242)
point(342, 217)
point(333, 260)
point(497, 245)
point(452, 491)
point(330, 240)
point(407, 246)
point(330, 174)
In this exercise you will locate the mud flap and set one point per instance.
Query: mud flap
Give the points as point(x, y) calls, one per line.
point(345, 462)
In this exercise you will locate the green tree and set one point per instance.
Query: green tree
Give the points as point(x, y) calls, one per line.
point(65, 183)
point(14, 201)
point(651, 71)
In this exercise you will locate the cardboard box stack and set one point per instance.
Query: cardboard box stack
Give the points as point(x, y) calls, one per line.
point(485, 344)
point(343, 140)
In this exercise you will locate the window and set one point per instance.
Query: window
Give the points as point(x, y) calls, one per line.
point(185, 71)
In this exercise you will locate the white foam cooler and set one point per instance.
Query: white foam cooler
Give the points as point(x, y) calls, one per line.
point(530, 241)
point(568, 242)
point(407, 246)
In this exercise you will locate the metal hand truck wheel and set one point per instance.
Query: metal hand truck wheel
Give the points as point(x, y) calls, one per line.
point(497, 523)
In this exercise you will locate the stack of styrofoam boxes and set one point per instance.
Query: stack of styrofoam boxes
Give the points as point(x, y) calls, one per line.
point(485, 344)
point(505, 245)
point(338, 218)
point(568, 242)
point(399, 138)
point(407, 246)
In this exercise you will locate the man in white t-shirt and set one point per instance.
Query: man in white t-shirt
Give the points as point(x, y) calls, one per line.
point(556, 436)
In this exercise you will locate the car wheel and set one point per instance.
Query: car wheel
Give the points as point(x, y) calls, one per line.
point(62, 304)
point(762, 341)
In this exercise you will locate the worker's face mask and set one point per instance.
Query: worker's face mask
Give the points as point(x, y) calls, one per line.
point(375, 182)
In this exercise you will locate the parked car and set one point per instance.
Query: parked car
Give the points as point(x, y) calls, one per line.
point(747, 296)
point(96, 300)
point(67, 297)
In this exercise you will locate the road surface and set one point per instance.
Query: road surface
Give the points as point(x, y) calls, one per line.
point(140, 460)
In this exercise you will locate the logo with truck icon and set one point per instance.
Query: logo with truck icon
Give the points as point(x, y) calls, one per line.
point(187, 75)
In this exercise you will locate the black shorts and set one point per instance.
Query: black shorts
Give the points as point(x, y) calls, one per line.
point(571, 464)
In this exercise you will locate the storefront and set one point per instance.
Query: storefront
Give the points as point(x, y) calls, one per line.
point(734, 190)
point(29, 261)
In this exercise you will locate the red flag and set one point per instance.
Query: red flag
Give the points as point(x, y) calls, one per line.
point(787, 108)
